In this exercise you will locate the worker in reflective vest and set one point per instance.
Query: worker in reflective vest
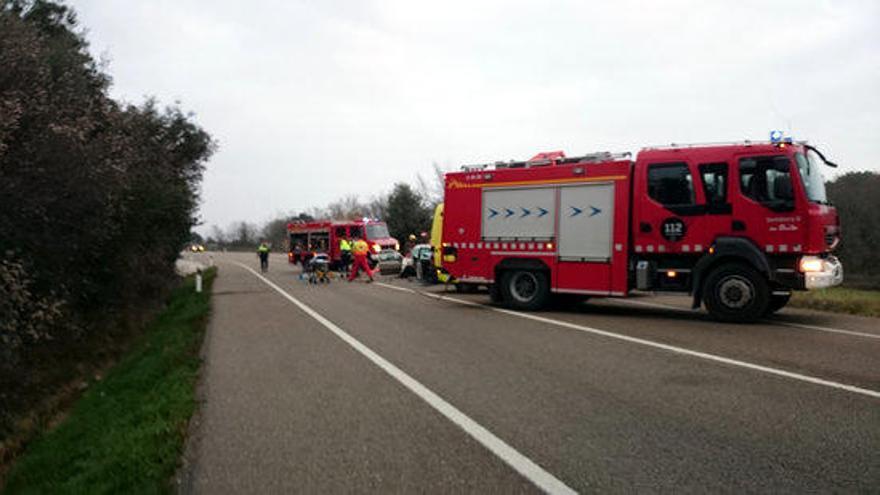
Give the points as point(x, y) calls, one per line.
point(263, 254)
point(344, 255)
point(360, 250)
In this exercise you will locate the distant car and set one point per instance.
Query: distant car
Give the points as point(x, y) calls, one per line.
point(389, 261)
point(197, 248)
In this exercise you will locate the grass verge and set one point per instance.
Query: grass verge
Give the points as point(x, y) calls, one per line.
point(127, 431)
point(839, 300)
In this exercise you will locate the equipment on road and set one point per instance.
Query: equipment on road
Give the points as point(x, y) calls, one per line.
point(319, 269)
point(737, 225)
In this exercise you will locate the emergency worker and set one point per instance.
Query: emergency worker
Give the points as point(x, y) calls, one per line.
point(263, 254)
point(297, 253)
point(410, 244)
point(344, 253)
point(360, 250)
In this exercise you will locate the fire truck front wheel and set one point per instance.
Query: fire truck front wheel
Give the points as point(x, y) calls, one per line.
point(735, 292)
point(525, 289)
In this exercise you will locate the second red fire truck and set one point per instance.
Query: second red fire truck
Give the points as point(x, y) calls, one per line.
point(739, 226)
point(307, 238)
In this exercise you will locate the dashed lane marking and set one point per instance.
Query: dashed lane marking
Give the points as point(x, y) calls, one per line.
point(520, 463)
point(657, 345)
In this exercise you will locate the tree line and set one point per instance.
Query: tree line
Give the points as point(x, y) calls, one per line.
point(407, 209)
point(97, 198)
point(856, 197)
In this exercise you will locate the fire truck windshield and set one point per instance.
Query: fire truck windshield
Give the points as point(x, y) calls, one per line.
point(811, 176)
point(377, 231)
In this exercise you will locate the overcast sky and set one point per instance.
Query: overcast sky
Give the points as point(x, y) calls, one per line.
point(311, 101)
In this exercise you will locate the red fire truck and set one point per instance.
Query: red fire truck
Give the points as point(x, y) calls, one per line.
point(737, 225)
point(308, 238)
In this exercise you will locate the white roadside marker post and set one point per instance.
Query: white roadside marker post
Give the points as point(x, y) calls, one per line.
point(199, 280)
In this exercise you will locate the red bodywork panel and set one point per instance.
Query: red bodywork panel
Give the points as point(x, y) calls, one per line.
point(478, 256)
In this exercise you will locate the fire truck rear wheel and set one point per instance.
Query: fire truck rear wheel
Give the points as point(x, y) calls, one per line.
point(525, 289)
point(736, 292)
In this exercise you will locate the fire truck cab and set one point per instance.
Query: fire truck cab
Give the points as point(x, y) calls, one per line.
point(305, 239)
point(739, 226)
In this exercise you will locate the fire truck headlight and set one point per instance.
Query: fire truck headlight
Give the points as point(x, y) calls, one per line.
point(376, 248)
point(811, 264)
point(397, 246)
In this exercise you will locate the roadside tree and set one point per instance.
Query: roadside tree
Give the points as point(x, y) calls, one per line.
point(406, 212)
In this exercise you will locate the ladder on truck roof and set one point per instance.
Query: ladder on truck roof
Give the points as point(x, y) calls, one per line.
point(597, 157)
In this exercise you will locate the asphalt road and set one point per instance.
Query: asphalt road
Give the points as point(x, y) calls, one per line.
point(393, 387)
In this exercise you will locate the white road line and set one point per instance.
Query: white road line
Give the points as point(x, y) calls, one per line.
point(666, 347)
point(770, 322)
point(413, 291)
point(825, 329)
point(522, 464)
point(401, 289)
point(653, 305)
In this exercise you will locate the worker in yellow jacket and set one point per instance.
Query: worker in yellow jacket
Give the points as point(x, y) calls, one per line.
point(263, 254)
point(344, 255)
point(359, 249)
